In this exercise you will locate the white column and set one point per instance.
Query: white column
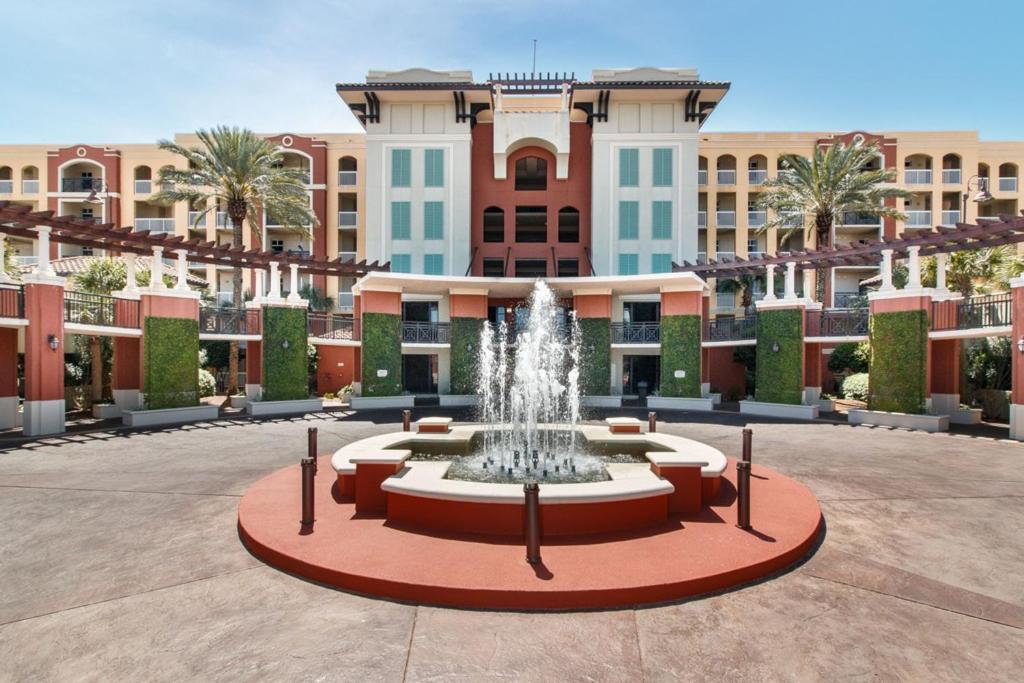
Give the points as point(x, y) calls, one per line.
point(886, 271)
point(790, 280)
point(130, 284)
point(156, 269)
point(808, 285)
point(914, 266)
point(275, 283)
point(941, 260)
point(769, 282)
point(293, 284)
point(182, 276)
point(260, 286)
point(4, 277)
point(43, 265)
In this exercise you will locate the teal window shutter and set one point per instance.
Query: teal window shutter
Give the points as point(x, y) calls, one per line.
point(661, 220)
point(433, 220)
point(661, 263)
point(433, 168)
point(401, 167)
point(433, 264)
point(401, 263)
point(662, 171)
point(629, 167)
point(400, 223)
point(629, 220)
point(629, 264)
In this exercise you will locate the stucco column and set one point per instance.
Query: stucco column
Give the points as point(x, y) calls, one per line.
point(812, 372)
point(254, 349)
point(886, 268)
point(808, 282)
point(43, 266)
point(769, 282)
point(293, 284)
point(790, 280)
point(900, 372)
point(156, 270)
point(131, 285)
point(182, 275)
point(941, 261)
point(126, 371)
point(261, 287)
point(1017, 375)
point(9, 400)
point(594, 316)
point(682, 357)
point(914, 267)
point(4, 277)
point(275, 283)
point(44, 353)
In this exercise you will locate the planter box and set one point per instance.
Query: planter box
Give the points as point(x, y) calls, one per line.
point(674, 403)
point(601, 401)
point(239, 402)
point(880, 418)
point(297, 407)
point(105, 411)
point(965, 416)
point(168, 416)
point(458, 400)
point(826, 405)
point(372, 402)
point(784, 410)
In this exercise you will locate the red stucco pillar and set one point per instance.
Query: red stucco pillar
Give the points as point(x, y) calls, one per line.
point(44, 365)
point(812, 371)
point(1017, 394)
point(945, 376)
point(126, 373)
point(9, 402)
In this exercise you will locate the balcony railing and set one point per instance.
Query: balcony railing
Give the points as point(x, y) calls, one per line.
point(348, 178)
point(755, 219)
point(702, 176)
point(951, 176)
point(726, 256)
point(348, 219)
point(727, 176)
point(917, 176)
point(193, 215)
point(725, 219)
point(424, 333)
point(347, 256)
point(991, 310)
point(858, 219)
point(143, 186)
point(756, 253)
point(702, 219)
point(636, 333)
point(849, 300)
point(30, 187)
point(81, 184)
point(328, 326)
point(346, 300)
point(950, 217)
point(702, 257)
point(1007, 184)
point(730, 329)
point(213, 320)
point(12, 301)
point(756, 176)
point(6, 187)
point(837, 323)
point(793, 220)
point(26, 260)
point(223, 220)
point(919, 219)
point(100, 309)
point(154, 224)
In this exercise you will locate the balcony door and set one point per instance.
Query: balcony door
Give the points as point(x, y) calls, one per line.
point(419, 373)
point(419, 311)
point(641, 312)
point(641, 375)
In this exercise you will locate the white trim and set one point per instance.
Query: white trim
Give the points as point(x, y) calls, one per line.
point(205, 336)
point(973, 333)
point(101, 330)
point(423, 346)
point(739, 342)
point(637, 346)
point(836, 340)
point(319, 341)
point(13, 322)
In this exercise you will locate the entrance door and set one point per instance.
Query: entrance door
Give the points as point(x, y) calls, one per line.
point(641, 375)
point(419, 373)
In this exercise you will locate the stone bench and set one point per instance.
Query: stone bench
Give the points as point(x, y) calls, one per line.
point(434, 425)
point(623, 425)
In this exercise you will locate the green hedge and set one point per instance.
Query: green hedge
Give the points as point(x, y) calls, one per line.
point(595, 356)
point(780, 375)
point(465, 344)
point(285, 371)
point(382, 350)
point(899, 361)
point(170, 362)
point(680, 350)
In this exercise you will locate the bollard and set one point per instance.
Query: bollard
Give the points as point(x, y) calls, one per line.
point(743, 494)
point(532, 491)
point(652, 422)
point(748, 435)
point(307, 492)
point(406, 420)
point(311, 447)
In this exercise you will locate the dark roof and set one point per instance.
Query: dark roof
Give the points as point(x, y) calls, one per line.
point(577, 85)
point(70, 266)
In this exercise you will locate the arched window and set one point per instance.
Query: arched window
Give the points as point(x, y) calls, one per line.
point(568, 225)
point(494, 224)
point(347, 171)
point(531, 174)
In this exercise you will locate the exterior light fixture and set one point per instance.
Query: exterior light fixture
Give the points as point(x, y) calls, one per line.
point(284, 344)
point(53, 342)
point(775, 347)
point(1020, 344)
point(982, 195)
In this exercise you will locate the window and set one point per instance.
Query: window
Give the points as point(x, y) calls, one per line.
point(629, 220)
point(400, 213)
point(494, 267)
point(494, 225)
point(531, 174)
point(401, 167)
point(433, 168)
point(86, 251)
point(568, 267)
point(629, 264)
point(531, 224)
point(401, 263)
point(530, 267)
point(661, 263)
point(568, 225)
point(662, 171)
point(277, 246)
point(752, 246)
point(433, 220)
point(629, 167)
point(661, 220)
point(433, 264)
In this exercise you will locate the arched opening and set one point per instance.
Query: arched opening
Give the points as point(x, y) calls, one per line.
point(30, 180)
point(143, 180)
point(531, 174)
point(702, 170)
point(1007, 177)
point(6, 180)
point(166, 186)
point(81, 176)
point(347, 171)
point(726, 167)
point(568, 224)
point(757, 169)
point(983, 171)
point(951, 169)
point(494, 224)
point(296, 161)
point(917, 169)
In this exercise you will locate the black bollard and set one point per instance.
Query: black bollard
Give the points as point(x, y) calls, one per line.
point(532, 491)
point(748, 435)
point(311, 447)
point(652, 422)
point(308, 474)
point(406, 420)
point(743, 494)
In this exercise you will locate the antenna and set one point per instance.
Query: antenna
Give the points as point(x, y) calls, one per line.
point(534, 69)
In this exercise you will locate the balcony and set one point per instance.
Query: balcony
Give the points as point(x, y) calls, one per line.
point(702, 219)
point(154, 224)
point(348, 219)
point(951, 176)
point(12, 301)
point(919, 219)
point(347, 256)
point(756, 254)
point(702, 257)
point(730, 329)
point(702, 176)
point(30, 187)
point(837, 323)
point(855, 219)
point(849, 300)
point(424, 333)
point(193, 215)
point(977, 312)
point(950, 217)
point(143, 186)
point(81, 184)
point(727, 176)
point(756, 219)
point(223, 298)
point(756, 176)
point(223, 220)
point(346, 300)
point(26, 260)
point(636, 333)
point(214, 320)
point(793, 220)
point(6, 187)
point(329, 326)
point(1007, 184)
point(725, 219)
point(100, 310)
point(348, 178)
point(726, 255)
point(917, 176)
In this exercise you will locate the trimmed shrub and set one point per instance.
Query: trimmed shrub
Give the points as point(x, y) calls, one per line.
point(207, 384)
point(855, 387)
point(853, 357)
point(382, 350)
point(285, 364)
point(170, 362)
point(595, 356)
point(465, 346)
point(899, 357)
point(680, 350)
point(780, 375)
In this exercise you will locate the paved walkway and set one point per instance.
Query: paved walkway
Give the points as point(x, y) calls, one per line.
point(120, 560)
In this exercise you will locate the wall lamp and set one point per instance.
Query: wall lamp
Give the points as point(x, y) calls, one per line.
point(1020, 344)
point(775, 347)
point(284, 344)
point(53, 342)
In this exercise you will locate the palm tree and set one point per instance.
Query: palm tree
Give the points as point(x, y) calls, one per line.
point(744, 284)
point(836, 180)
point(318, 301)
point(977, 271)
point(242, 172)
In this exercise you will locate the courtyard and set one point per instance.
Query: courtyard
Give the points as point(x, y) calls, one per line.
point(122, 560)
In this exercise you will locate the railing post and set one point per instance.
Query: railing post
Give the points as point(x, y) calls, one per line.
point(531, 490)
point(308, 474)
point(748, 435)
point(311, 447)
point(652, 422)
point(406, 420)
point(743, 494)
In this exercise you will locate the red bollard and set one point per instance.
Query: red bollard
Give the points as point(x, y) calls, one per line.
point(652, 422)
point(406, 420)
point(532, 491)
point(743, 494)
point(311, 447)
point(308, 474)
point(748, 436)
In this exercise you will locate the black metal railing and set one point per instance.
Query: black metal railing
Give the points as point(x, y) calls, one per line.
point(327, 326)
point(81, 184)
point(722, 329)
point(636, 333)
point(424, 333)
point(90, 309)
point(214, 320)
point(12, 301)
point(991, 310)
point(837, 323)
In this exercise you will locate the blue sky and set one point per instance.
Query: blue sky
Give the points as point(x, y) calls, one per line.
point(120, 71)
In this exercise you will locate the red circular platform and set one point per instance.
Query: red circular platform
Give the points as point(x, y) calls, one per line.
point(687, 556)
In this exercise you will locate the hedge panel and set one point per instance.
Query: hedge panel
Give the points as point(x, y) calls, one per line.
point(465, 345)
point(285, 370)
point(899, 361)
point(680, 350)
point(170, 374)
point(780, 375)
point(595, 356)
point(382, 350)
